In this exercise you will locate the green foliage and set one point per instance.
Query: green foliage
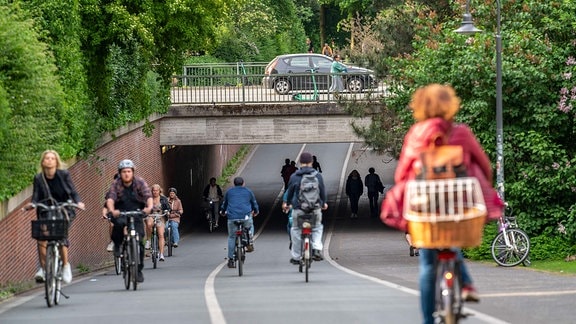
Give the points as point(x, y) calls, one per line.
point(32, 102)
point(232, 165)
point(538, 46)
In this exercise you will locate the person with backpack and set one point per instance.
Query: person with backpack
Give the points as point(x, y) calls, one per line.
point(434, 107)
point(306, 195)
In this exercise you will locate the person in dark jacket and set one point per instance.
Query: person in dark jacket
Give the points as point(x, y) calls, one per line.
point(53, 184)
point(374, 186)
point(213, 192)
point(239, 203)
point(290, 200)
point(354, 189)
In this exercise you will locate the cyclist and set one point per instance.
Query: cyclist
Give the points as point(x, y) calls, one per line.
point(213, 192)
point(159, 204)
point(290, 200)
point(176, 212)
point(239, 203)
point(128, 193)
point(434, 108)
point(53, 184)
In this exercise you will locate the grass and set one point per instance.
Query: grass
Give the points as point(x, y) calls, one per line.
point(232, 165)
point(557, 267)
point(11, 289)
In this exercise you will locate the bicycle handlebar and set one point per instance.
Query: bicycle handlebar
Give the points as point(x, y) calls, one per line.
point(60, 206)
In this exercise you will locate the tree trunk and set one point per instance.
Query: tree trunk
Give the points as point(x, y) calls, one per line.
point(322, 26)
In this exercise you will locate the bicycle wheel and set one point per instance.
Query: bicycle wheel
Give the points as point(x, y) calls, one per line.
point(515, 253)
point(58, 279)
point(118, 264)
point(239, 256)
point(211, 222)
point(444, 294)
point(134, 262)
point(50, 274)
point(155, 248)
point(169, 238)
point(126, 261)
point(307, 259)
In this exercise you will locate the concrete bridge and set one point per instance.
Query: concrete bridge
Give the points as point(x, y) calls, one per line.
point(258, 124)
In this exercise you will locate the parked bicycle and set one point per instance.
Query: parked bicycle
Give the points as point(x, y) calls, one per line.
point(242, 241)
point(130, 251)
point(54, 230)
point(305, 223)
point(155, 238)
point(210, 215)
point(512, 245)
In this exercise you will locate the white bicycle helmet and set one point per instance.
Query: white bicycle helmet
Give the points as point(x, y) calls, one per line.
point(125, 164)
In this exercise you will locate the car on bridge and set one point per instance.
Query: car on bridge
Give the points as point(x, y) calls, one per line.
point(291, 72)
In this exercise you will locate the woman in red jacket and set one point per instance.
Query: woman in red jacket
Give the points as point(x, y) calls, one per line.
point(434, 107)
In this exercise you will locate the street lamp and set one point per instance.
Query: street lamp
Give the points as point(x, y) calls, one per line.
point(468, 28)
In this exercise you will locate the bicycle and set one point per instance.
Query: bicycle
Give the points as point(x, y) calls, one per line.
point(210, 216)
point(305, 223)
point(169, 236)
point(54, 230)
point(130, 253)
point(511, 246)
point(444, 215)
point(242, 240)
point(154, 238)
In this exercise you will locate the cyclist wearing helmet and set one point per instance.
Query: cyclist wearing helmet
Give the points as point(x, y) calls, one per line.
point(174, 217)
point(128, 193)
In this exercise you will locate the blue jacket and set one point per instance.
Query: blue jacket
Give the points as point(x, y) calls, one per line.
point(238, 202)
point(291, 195)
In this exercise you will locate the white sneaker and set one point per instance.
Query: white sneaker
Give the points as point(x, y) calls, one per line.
point(147, 245)
point(110, 247)
point(40, 276)
point(67, 273)
point(161, 257)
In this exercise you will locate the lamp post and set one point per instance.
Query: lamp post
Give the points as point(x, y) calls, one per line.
point(467, 27)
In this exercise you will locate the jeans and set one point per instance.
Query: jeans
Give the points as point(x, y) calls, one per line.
point(248, 223)
point(373, 199)
point(295, 233)
point(175, 234)
point(428, 280)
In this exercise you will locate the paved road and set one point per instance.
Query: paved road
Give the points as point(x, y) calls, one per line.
point(368, 276)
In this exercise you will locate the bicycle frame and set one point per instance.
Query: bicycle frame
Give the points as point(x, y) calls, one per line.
point(155, 245)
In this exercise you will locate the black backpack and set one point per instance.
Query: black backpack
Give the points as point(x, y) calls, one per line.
point(309, 195)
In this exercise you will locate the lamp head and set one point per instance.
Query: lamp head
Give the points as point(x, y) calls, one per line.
point(467, 26)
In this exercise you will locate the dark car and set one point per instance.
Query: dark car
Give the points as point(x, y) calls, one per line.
point(294, 72)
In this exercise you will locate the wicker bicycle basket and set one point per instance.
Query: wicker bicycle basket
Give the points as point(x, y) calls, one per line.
point(445, 213)
point(49, 229)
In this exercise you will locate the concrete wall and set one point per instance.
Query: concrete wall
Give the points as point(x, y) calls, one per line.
point(280, 123)
point(185, 168)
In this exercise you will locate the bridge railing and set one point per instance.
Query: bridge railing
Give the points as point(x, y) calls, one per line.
point(252, 88)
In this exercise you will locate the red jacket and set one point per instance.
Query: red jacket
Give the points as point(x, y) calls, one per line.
point(418, 138)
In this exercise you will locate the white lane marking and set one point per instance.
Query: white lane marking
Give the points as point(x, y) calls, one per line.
point(484, 317)
point(214, 309)
point(531, 293)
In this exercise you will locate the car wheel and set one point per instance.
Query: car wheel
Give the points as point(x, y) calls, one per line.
point(282, 86)
point(355, 85)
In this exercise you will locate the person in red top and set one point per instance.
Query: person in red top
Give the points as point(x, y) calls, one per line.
point(434, 107)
